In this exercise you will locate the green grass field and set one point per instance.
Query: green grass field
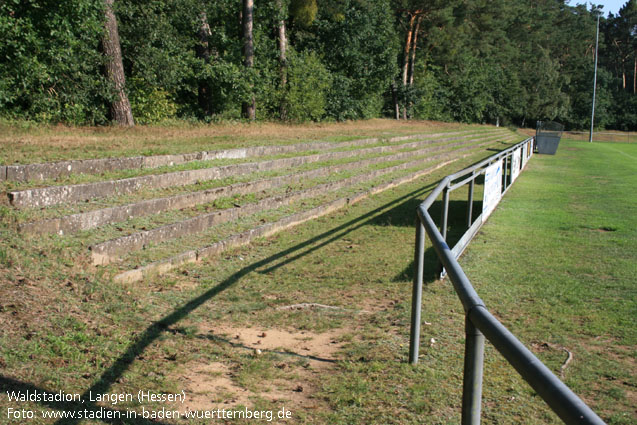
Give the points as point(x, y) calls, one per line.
point(556, 262)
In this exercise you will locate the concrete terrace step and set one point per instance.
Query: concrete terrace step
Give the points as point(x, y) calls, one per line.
point(52, 195)
point(244, 238)
point(136, 241)
point(105, 252)
point(52, 170)
point(91, 219)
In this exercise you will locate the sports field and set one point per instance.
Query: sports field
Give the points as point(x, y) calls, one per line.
point(557, 263)
point(315, 319)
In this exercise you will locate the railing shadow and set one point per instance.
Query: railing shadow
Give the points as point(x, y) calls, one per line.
point(400, 208)
point(456, 227)
point(403, 206)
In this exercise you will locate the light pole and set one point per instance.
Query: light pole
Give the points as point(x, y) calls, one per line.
point(590, 138)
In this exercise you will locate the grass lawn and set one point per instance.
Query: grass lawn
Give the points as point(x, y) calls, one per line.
point(555, 262)
point(25, 144)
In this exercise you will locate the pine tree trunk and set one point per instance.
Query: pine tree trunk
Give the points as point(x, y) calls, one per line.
point(412, 65)
point(120, 107)
point(623, 79)
point(283, 66)
point(406, 60)
point(395, 99)
point(635, 75)
point(413, 52)
point(624, 72)
point(407, 49)
point(249, 107)
point(203, 51)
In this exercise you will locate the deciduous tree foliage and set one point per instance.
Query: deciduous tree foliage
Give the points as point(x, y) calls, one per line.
point(50, 61)
point(484, 61)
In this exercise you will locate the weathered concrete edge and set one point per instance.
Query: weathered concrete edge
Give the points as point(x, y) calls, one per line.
point(52, 195)
point(91, 219)
point(234, 241)
point(244, 238)
point(64, 168)
point(157, 268)
point(108, 251)
point(50, 170)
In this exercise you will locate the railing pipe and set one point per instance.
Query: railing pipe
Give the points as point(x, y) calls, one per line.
point(431, 198)
point(480, 324)
point(416, 298)
point(564, 402)
point(481, 164)
point(472, 382)
point(445, 212)
point(462, 182)
point(468, 296)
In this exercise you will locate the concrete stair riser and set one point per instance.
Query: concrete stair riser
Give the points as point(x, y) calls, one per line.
point(244, 238)
point(91, 219)
point(52, 170)
point(108, 251)
point(53, 195)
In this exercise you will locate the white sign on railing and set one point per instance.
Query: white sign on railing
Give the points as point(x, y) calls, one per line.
point(527, 152)
point(492, 188)
point(515, 164)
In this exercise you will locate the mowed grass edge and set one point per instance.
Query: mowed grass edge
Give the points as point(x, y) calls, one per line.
point(557, 263)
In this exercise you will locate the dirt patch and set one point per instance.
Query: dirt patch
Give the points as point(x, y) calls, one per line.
point(318, 349)
point(209, 386)
point(216, 385)
point(213, 386)
point(374, 305)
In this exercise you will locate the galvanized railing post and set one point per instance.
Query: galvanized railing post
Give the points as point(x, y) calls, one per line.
point(445, 212)
point(470, 201)
point(473, 366)
point(443, 224)
point(416, 297)
point(504, 172)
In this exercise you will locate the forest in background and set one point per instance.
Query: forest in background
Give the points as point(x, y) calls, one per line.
point(507, 62)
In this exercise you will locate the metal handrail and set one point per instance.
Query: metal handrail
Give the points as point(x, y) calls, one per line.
point(480, 323)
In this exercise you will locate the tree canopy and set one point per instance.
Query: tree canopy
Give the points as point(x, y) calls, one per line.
point(481, 61)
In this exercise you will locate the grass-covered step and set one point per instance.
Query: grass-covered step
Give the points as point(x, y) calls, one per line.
point(244, 238)
point(156, 251)
point(52, 195)
point(108, 251)
point(103, 216)
point(208, 162)
point(222, 243)
point(51, 170)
